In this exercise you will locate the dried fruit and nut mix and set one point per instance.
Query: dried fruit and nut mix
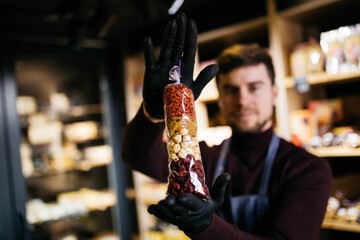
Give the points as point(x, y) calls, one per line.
point(186, 172)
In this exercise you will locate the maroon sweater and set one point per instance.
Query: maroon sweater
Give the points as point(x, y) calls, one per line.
point(299, 187)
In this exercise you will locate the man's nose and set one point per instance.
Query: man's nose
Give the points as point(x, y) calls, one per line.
point(244, 96)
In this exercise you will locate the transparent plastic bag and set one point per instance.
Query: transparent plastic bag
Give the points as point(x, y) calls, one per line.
point(186, 172)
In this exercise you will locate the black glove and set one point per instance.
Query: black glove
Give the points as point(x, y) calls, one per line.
point(179, 43)
point(187, 211)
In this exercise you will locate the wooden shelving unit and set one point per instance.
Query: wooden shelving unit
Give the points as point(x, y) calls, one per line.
point(341, 225)
point(309, 20)
point(335, 151)
point(325, 78)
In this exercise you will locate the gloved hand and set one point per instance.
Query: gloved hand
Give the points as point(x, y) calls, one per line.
point(187, 211)
point(179, 44)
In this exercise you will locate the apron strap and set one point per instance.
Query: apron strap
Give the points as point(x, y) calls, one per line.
point(268, 165)
point(220, 166)
point(250, 207)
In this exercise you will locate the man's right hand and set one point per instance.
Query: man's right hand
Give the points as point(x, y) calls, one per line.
point(178, 46)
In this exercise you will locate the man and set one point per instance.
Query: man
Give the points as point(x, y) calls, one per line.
point(276, 190)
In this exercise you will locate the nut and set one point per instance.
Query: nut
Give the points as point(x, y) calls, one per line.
point(177, 138)
point(190, 151)
point(176, 148)
point(174, 156)
point(184, 145)
point(182, 153)
point(184, 131)
point(186, 138)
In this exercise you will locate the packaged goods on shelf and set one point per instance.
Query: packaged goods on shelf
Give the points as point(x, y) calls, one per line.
point(45, 132)
point(81, 131)
point(351, 36)
point(298, 60)
point(301, 127)
point(325, 113)
point(352, 140)
point(349, 212)
point(38, 211)
point(37, 118)
point(69, 205)
point(59, 161)
point(98, 155)
point(342, 48)
point(26, 161)
point(344, 202)
point(332, 206)
point(345, 137)
point(332, 47)
point(71, 151)
point(59, 102)
point(93, 199)
point(26, 105)
point(307, 57)
point(320, 126)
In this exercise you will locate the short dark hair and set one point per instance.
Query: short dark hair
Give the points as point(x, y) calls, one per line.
point(240, 55)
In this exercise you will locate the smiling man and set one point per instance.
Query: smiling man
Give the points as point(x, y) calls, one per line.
point(276, 190)
point(247, 97)
point(247, 90)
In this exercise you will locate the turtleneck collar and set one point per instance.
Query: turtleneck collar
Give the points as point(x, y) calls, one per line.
point(251, 141)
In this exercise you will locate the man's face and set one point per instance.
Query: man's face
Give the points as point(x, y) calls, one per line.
point(247, 98)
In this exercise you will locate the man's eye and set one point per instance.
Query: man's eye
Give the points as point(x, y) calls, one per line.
point(254, 88)
point(231, 91)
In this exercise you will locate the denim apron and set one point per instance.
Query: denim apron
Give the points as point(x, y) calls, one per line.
point(247, 210)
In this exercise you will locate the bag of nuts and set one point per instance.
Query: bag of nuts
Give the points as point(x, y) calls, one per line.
point(186, 172)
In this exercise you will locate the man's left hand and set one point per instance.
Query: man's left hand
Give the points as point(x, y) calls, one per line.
point(187, 211)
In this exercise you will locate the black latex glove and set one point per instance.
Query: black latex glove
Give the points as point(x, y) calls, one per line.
point(179, 43)
point(187, 211)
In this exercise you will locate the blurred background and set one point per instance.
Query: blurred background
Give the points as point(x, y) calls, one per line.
point(71, 76)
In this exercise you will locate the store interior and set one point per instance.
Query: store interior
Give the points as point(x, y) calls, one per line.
point(71, 79)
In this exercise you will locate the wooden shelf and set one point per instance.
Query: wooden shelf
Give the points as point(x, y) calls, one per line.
point(309, 9)
point(335, 151)
point(341, 225)
point(83, 165)
point(323, 78)
point(235, 30)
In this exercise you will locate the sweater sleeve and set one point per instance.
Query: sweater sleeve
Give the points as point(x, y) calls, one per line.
point(143, 147)
point(299, 203)
point(220, 229)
